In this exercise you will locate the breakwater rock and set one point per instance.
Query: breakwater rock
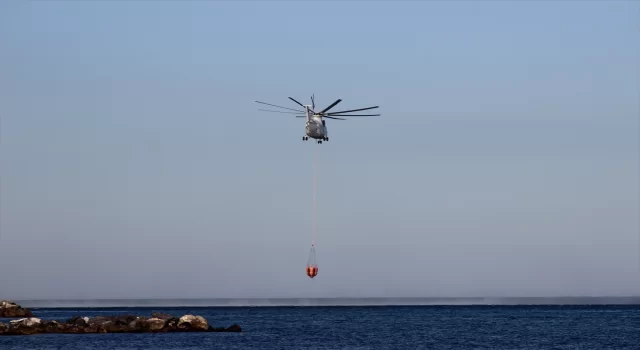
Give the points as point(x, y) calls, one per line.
point(10, 309)
point(113, 324)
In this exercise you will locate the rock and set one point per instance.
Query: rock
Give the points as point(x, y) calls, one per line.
point(138, 325)
point(31, 325)
point(26, 322)
point(10, 309)
point(113, 324)
point(190, 322)
point(155, 324)
point(53, 327)
point(114, 327)
point(78, 321)
point(172, 324)
point(124, 320)
point(234, 328)
point(161, 316)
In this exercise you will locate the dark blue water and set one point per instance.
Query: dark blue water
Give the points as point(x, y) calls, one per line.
point(379, 327)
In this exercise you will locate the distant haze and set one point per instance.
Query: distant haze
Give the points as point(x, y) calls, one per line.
point(299, 302)
point(134, 162)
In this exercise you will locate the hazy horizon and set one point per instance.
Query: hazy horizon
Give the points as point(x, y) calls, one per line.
point(135, 164)
point(330, 301)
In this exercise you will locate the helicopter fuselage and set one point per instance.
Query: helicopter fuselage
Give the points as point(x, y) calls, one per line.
point(316, 128)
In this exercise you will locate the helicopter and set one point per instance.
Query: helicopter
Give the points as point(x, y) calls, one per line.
point(315, 126)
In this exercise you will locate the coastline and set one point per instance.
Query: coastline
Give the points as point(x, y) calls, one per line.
point(22, 321)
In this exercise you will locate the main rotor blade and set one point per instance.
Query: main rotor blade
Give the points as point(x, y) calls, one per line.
point(291, 98)
point(266, 110)
point(313, 102)
point(269, 104)
point(353, 110)
point(353, 115)
point(330, 106)
point(326, 116)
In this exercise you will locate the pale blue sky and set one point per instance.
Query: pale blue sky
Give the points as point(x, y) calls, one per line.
point(135, 163)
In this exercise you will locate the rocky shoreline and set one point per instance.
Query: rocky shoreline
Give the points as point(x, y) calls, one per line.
point(10, 309)
point(157, 323)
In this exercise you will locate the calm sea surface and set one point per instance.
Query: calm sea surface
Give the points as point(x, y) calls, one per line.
point(366, 327)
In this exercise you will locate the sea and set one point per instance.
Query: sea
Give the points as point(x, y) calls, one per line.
point(344, 323)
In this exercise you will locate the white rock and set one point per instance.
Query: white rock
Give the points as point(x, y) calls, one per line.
point(197, 322)
point(29, 322)
point(186, 318)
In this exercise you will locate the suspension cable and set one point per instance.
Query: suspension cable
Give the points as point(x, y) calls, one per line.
point(313, 222)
